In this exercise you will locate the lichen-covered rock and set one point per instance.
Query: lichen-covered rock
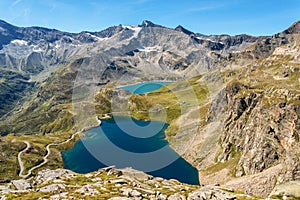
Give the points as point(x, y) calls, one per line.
point(53, 188)
point(211, 192)
point(88, 190)
point(22, 184)
point(139, 175)
point(46, 176)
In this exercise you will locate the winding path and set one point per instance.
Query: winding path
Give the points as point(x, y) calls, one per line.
point(45, 158)
point(20, 160)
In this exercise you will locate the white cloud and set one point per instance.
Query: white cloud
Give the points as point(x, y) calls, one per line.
point(15, 2)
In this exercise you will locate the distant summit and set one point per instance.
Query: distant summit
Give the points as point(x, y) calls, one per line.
point(147, 23)
point(182, 29)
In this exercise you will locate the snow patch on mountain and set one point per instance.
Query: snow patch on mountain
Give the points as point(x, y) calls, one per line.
point(136, 30)
point(19, 42)
point(149, 49)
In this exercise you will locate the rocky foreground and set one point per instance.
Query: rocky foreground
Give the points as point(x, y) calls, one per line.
point(119, 184)
point(109, 183)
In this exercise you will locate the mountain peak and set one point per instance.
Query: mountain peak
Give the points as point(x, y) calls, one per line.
point(184, 30)
point(147, 23)
point(294, 28)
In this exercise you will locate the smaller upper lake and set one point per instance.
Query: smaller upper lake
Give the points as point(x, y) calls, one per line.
point(141, 88)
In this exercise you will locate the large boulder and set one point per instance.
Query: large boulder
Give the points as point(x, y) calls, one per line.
point(22, 184)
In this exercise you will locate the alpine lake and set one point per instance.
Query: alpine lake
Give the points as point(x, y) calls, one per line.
point(126, 142)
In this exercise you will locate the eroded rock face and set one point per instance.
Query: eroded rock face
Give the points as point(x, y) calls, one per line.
point(260, 131)
point(257, 139)
point(264, 135)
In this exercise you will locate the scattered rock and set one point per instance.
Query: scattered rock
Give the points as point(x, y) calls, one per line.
point(127, 186)
point(119, 181)
point(3, 198)
point(4, 188)
point(53, 188)
point(88, 190)
point(176, 197)
point(162, 197)
point(146, 191)
point(63, 195)
point(96, 179)
point(139, 175)
point(125, 191)
point(22, 184)
point(130, 192)
point(159, 179)
point(135, 193)
point(210, 192)
point(47, 175)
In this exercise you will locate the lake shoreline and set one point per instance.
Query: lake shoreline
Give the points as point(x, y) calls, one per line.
point(67, 154)
point(71, 156)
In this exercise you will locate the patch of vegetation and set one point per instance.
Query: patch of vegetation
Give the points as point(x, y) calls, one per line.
point(9, 150)
point(229, 164)
point(285, 197)
point(30, 195)
point(79, 180)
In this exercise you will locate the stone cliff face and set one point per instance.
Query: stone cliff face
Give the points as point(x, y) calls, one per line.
point(263, 136)
point(258, 111)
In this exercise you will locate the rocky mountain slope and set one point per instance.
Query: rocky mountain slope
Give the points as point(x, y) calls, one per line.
point(34, 49)
point(254, 119)
point(244, 126)
point(135, 53)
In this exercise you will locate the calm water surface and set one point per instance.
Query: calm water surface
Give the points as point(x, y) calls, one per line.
point(144, 148)
point(141, 88)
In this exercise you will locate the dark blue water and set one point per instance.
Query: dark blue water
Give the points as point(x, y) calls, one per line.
point(141, 88)
point(110, 144)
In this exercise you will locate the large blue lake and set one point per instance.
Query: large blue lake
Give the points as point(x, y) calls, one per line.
point(126, 142)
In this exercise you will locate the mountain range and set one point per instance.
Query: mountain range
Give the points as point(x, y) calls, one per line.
point(247, 89)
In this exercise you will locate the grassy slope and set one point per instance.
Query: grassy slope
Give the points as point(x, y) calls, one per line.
point(13, 86)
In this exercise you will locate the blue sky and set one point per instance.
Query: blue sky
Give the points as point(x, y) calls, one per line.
point(256, 17)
